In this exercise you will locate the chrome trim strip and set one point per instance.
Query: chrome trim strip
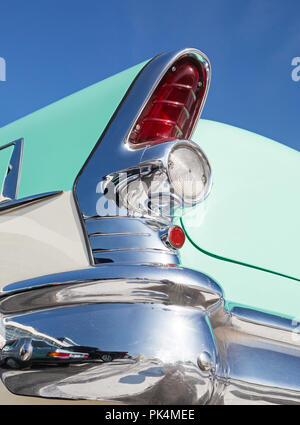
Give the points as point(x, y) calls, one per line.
point(262, 318)
point(266, 325)
point(11, 182)
point(241, 393)
point(127, 241)
point(167, 286)
point(118, 224)
point(112, 235)
point(136, 256)
point(24, 202)
point(170, 273)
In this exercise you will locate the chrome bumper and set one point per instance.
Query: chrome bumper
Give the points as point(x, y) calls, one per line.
point(184, 346)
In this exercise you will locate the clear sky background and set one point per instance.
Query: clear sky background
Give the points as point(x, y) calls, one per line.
point(54, 48)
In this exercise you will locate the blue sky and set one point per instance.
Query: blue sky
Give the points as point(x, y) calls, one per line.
point(54, 48)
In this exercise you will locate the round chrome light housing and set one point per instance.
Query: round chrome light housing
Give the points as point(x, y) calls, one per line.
point(189, 172)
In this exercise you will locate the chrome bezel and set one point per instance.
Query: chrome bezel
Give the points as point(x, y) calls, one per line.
point(161, 153)
point(206, 167)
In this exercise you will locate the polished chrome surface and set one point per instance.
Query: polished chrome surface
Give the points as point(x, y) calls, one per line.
point(159, 315)
point(136, 205)
point(204, 360)
point(11, 181)
point(159, 156)
point(24, 202)
point(171, 274)
point(174, 341)
point(134, 256)
point(131, 240)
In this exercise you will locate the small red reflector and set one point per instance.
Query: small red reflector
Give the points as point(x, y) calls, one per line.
point(174, 105)
point(176, 237)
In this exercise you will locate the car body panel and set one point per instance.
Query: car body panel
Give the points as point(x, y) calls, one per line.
point(246, 286)
point(252, 214)
point(59, 138)
point(41, 239)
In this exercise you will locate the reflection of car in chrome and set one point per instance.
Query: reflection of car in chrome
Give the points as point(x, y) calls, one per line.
point(109, 356)
point(95, 353)
point(24, 352)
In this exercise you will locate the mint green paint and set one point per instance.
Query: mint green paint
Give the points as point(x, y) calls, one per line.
point(59, 138)
point(246, 286)
point(252, 215)
point(229, 259)
point(5, 155)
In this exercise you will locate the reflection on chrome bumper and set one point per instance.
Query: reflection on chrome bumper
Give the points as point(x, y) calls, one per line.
point(183, 346)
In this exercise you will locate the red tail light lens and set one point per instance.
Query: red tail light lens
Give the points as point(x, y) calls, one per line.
point(66, 355)
point(58, 354)
point(174, 105)
point(176, 237)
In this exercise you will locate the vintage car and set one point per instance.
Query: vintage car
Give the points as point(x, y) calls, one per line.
point(130, 224)
point(26, 352)
point(95, 353)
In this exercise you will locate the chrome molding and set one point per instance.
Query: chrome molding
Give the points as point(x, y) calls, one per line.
point(11, 182)
point(171, 273)
point(10, 188)
point(24, 202)
point(175, 341)
point(128, 240)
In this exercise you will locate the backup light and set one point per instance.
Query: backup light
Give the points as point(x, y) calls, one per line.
point(189, 172)
point(173, 174)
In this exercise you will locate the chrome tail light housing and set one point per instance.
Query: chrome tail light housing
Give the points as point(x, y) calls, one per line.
point(144, 166)
point(169, 176)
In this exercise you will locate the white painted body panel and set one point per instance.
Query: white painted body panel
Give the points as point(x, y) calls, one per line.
point(35, 240)
point(41, 239)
